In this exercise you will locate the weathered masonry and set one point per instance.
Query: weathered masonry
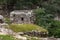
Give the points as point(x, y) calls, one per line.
point(21, 16)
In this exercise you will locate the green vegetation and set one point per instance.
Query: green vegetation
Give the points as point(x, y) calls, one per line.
point(6, 37)
point(47, 21)
point(7, 20)
point(54, 29)
point(26, 27)
point(42, 18)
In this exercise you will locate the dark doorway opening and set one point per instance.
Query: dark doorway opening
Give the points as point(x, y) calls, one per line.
point(22, 19)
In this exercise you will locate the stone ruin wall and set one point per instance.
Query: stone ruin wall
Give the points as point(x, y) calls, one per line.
point(22, 17)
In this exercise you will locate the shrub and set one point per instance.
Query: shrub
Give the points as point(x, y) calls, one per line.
point(26, 27)
point(42, 18)
point(54, 29)
point(7, 20)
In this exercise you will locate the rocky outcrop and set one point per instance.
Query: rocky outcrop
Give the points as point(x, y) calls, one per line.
point(20, 37)
point(4, 30)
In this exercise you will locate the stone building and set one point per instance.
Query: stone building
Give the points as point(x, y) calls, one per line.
point(21, 16)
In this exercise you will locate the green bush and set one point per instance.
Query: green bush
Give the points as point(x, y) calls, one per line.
point(54, 29)
point(26, 27)
point(42, 18)
point(6, 37)
point(7, 20)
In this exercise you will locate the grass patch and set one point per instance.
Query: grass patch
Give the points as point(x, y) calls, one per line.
point(26, 28)
point(6, 37)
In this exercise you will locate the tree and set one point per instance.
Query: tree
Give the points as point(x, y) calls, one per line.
point(43, 18)
point(46, 20)
point(54, 29)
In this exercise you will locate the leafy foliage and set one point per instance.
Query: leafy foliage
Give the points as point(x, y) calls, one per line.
point(43, 18)
point(54, 29)
point(7, 20)
point(47, 21)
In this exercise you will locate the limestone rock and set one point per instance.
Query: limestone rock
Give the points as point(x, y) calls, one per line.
point(1, 17)
point(20, 37)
